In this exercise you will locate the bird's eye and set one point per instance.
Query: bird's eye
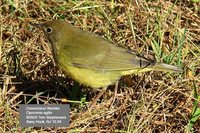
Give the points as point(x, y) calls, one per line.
point(48, 29)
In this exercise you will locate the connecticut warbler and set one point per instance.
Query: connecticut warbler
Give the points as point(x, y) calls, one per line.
point(92, 60)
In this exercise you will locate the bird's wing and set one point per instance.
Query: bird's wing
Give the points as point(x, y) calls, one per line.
point(94, 52)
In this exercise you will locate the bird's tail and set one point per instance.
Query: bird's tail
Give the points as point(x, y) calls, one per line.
point(166, 67)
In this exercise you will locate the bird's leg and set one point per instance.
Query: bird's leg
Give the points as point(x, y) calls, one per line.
point(98, 96)
point(115, 93)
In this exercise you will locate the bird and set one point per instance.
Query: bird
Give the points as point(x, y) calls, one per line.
point(92, 60)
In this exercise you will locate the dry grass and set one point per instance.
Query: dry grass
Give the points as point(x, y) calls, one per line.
point(149, 102)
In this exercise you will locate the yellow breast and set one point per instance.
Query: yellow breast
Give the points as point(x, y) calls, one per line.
point(94, 79)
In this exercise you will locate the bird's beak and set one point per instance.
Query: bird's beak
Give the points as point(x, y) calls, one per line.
point(37, 25)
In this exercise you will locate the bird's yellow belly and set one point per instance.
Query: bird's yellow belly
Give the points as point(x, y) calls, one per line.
point(92, 78)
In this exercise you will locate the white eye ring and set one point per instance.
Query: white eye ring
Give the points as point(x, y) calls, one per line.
point(48, 29)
